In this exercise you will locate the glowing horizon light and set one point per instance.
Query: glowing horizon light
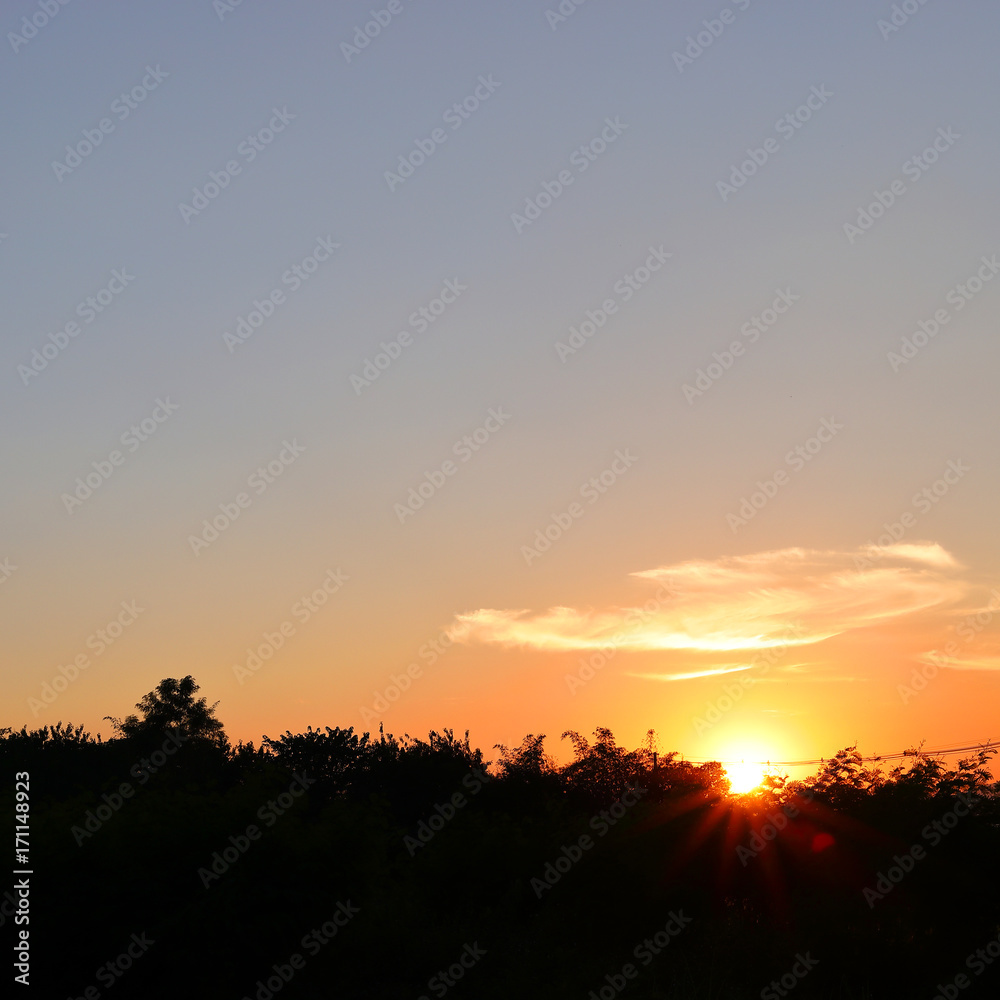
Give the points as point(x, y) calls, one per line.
point(744, 776)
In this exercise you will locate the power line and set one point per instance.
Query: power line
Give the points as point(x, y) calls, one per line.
point(930, 752)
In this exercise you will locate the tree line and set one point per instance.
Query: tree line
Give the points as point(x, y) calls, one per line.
point(625, 871)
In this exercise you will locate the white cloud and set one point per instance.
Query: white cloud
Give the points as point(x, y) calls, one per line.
point(711, 672)
point(738, 603)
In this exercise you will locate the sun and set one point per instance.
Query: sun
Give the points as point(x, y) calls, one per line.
point(745, 758)
point(744, 776)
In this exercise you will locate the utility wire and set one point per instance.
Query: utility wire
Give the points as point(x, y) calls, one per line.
point(930, 752)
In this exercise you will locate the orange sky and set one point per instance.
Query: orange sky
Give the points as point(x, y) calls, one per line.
point(783, 654)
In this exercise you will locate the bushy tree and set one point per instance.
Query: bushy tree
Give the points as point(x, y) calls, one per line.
point(844, 780)
point(334, 756)
point(603, 771)
point(526, 763)
point(172, 705)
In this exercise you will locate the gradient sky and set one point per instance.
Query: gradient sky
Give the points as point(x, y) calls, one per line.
point(512, 625)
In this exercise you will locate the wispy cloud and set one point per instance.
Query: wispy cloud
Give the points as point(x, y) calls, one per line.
point(950, 663)
point(975, 644)
point(920, 552)
point(711, 672)
point(739, 603)
point(982, 659)
point(814, 679)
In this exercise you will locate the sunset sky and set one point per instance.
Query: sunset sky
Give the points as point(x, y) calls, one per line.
point(444, 323)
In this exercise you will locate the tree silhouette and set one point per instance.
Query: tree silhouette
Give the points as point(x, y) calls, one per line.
point(334, 756)
point(527, 762)
point(436, 845)
point(171, 705)
point(605, 770)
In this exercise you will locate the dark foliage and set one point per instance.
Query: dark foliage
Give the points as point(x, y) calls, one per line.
point(227, 857)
